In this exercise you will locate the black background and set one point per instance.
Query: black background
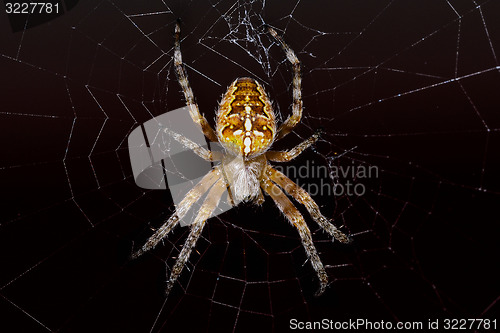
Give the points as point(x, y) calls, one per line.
point(425, 234)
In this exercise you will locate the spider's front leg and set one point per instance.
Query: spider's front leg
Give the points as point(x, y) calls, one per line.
point(297, 220)
point(297, 192)
point(301, 195)
point(191, 197)
point(209, 205)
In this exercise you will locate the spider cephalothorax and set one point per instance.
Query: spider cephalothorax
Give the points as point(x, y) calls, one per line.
point(246, 128)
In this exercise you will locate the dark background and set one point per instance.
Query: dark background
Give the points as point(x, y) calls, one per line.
point(411, 88)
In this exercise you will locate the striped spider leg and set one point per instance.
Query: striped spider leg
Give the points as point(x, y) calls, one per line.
point(246, 128)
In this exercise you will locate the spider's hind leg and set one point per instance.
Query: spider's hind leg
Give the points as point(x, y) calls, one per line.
point(194, 111)
point(294, 119)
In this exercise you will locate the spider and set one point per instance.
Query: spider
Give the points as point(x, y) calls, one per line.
point(246, 128)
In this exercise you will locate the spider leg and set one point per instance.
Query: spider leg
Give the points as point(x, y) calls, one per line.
point(285, 156)
point(301, 195)
point(210, 203)
point(188, 92)
point(204, 153)
point(191, 197)
point(260, 198)
point(297, 220)
point(294, 119)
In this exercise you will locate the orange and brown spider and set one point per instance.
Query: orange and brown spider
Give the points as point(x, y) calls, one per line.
point(246, 128)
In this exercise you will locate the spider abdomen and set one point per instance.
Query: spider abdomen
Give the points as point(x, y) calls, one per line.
point(245, 121)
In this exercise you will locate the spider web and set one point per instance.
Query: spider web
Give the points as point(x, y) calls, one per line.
point(411, 89)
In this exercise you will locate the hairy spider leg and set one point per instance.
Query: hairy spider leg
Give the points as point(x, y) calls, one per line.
point(216, 184)
point(301, 195)
point(210, 203)
point(206, 154)
point(286, 156)
point(191, 197)
point(297, 220)
point(194, 111)
point(294, 119)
